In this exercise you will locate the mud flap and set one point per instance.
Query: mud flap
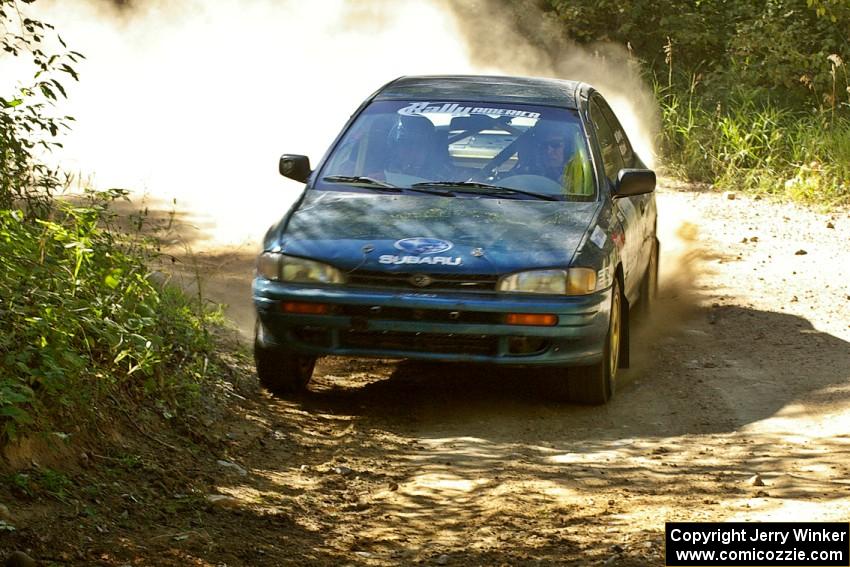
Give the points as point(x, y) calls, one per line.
point(624, 335)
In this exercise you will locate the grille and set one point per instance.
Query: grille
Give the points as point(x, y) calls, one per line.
point(420, 342)
point(446, 282)
point(431, 315)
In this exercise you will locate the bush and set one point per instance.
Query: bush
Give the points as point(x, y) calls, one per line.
point(82, 317)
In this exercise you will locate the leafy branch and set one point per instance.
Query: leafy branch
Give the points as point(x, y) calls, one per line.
point(28, 127)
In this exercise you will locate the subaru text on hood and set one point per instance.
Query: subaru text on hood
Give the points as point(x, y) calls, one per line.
point(459, 218)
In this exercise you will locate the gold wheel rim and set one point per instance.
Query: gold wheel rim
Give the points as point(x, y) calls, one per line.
point(615, 332)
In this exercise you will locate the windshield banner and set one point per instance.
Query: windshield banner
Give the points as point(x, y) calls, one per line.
point(426, 107)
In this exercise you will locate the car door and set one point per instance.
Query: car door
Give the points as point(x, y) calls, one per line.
point(624, 209)
point(645, 204)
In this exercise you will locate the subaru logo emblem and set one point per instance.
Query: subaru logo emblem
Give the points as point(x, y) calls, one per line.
point(423, 245)
point(420, 280)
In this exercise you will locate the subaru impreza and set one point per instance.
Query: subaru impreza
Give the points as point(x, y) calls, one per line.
point(497, 220)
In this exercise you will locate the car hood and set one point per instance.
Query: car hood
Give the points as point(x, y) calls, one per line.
point(483, 235)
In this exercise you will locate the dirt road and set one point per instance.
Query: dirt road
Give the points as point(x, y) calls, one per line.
point(744, 370)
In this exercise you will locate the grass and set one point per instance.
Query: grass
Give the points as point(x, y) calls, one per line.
point(749, 144)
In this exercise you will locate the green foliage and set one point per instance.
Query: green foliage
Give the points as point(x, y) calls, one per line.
point(82, 316)
point(20, 482)
point(779, 49)
point(54, 483)
point(754, 95)
point(757, 146)
point(40, 481)
point(26, 125)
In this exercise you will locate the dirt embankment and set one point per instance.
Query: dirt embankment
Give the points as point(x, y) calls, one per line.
point(744, 370)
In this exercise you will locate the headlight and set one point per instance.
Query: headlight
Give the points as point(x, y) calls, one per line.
point(574, 281)
point(284, 268)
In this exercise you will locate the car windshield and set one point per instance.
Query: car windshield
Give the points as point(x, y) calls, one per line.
point(463, 149)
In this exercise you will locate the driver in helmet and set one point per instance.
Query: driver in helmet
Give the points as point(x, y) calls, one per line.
point(410, 144)
point(546, 151)
point(550, 149)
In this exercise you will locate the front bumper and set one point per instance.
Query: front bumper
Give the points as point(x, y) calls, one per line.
point(432, 326)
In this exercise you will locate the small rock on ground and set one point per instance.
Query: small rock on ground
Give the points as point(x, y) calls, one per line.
point(232, 466)
point(756, 480)
point(223, 501)
point(19, 559)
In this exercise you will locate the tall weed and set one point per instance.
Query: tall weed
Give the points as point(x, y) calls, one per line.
point(745, 142)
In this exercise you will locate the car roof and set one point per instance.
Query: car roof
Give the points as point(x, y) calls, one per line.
point(490, 88)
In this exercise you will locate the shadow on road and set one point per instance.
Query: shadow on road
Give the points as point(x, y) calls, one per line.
point(477, 462)
point(728, 367)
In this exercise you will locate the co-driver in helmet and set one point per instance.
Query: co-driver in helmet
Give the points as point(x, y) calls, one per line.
point(410, 144)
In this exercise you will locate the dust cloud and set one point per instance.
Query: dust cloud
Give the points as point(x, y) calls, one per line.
point(682, 264)
point(195, 101)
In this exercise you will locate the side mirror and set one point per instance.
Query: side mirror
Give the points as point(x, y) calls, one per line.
point(295, 167)
point(631, 182)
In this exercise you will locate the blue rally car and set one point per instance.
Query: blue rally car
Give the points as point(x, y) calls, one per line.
point(483, 219)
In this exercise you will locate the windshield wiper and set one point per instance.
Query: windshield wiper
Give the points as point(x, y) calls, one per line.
point(378, 185)
point(360, 181)
point(484, 188)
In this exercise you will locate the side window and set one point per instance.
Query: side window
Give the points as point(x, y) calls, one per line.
point(619, 136)
point(612, 160)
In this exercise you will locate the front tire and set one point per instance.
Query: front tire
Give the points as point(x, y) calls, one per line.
point(281, 371)
point(596, 384)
